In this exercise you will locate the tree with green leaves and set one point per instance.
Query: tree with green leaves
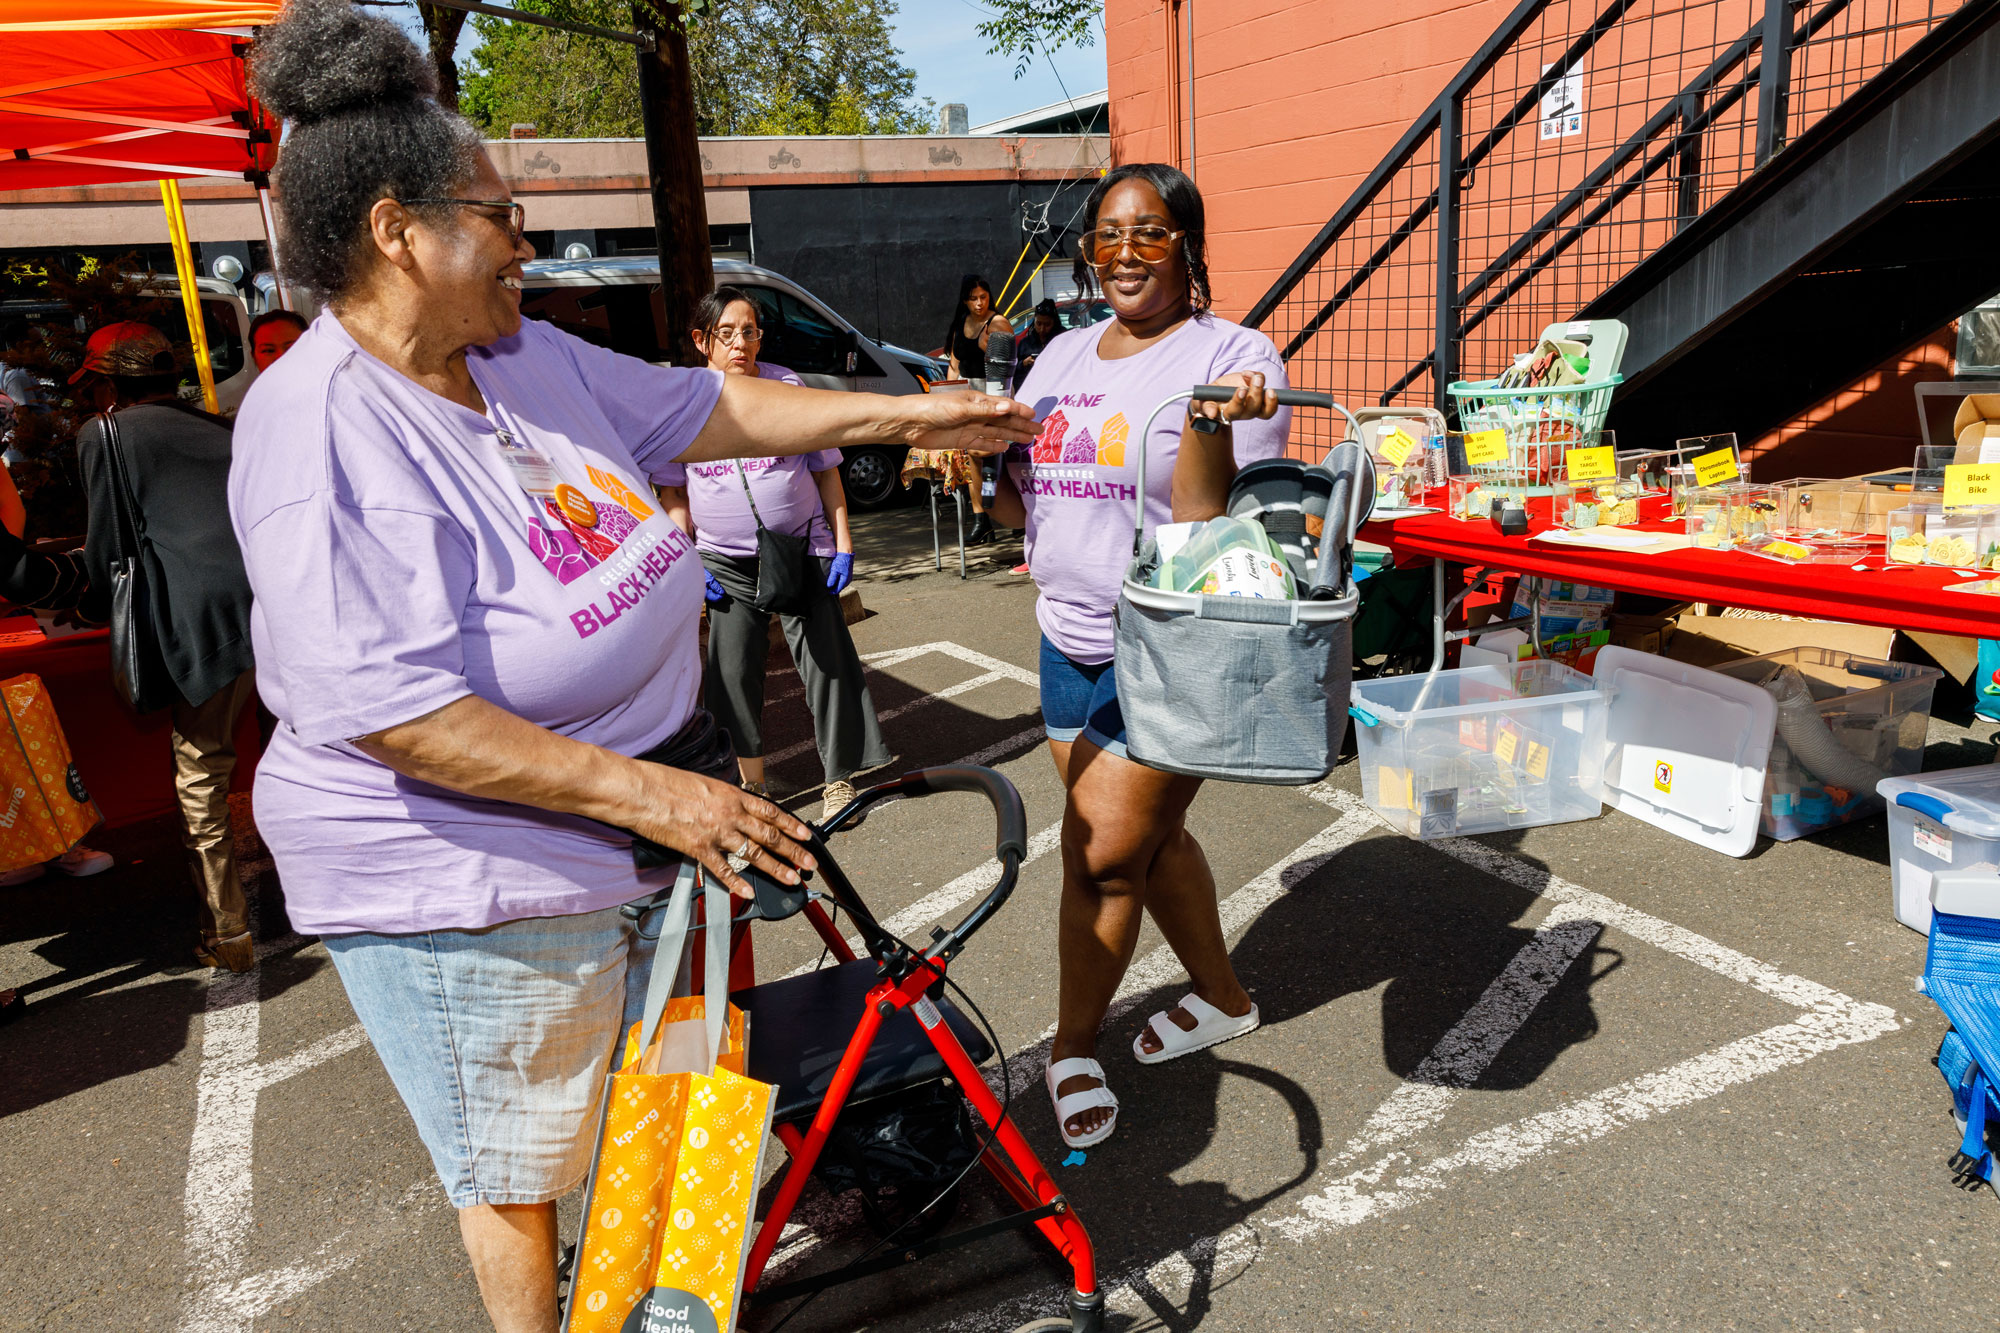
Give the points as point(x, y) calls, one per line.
point(759, 67)
point(1021, 28)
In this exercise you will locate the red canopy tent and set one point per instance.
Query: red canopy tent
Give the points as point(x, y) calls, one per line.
point(97, 91)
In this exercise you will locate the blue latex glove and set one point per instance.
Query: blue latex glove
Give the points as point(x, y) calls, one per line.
point(715, 591)
point(841, 574)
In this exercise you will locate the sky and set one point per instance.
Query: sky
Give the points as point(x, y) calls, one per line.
point(939, 41)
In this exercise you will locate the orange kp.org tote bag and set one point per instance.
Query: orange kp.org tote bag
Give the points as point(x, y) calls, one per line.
point(44, 809)
point(680, 1153)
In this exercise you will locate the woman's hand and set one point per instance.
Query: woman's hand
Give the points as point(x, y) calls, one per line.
point(1251, 400)
point(713, 822)
point(975, 422)
point(840, 573)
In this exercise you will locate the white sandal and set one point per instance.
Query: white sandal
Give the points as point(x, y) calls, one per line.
point(1060, 1072)
point(1212, 1027)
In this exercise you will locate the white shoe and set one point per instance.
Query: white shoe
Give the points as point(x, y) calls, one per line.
point(837, 796)
point(1212, 1027)
point(1060, 1072)
point(23, 875)
point(80, 860)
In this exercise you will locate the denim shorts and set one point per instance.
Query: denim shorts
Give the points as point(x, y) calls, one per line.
point(1080, 699)
point(498, 1040)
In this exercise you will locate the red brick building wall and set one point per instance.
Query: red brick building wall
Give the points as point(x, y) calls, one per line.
point(1295, 101)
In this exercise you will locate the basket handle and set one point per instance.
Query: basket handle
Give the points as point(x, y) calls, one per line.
point(1217, 393)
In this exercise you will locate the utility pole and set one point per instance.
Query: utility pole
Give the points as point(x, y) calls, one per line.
point(673, 164)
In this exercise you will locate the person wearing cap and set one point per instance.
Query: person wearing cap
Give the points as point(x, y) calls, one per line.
point(175, 459)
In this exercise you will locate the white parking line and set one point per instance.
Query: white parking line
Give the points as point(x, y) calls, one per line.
point(1397, 1179)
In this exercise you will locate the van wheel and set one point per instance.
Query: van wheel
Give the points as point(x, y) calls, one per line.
point(870, 475)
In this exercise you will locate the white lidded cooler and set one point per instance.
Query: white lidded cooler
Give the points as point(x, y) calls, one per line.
point(1939, 822)
point(1530, 743)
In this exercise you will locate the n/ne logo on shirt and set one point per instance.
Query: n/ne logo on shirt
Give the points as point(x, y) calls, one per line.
point(1055, 445)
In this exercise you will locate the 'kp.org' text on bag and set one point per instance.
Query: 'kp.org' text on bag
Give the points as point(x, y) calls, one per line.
point(680, 1152)
point(44, 809)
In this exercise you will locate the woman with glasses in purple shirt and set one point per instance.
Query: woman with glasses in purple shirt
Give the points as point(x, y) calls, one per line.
point(477, 630)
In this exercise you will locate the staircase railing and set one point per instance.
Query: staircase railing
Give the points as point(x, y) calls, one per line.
point(1579, 139)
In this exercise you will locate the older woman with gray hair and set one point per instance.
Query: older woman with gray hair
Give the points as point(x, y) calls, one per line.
point(478, 632)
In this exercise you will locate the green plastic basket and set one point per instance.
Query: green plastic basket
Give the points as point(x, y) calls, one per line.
point(1540, 424)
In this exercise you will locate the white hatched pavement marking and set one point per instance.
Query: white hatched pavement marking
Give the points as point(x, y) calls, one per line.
point(218, 1296)
point(1830, 1019)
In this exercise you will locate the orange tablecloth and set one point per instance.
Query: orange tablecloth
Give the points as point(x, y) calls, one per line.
point(126, 761)
point(1905, 597)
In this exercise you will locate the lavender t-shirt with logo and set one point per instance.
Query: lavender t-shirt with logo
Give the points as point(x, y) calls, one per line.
point(1079, 479)
point(787, 498)
point(399, 565)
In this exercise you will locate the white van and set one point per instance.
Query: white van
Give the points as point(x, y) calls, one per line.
point(616, 303)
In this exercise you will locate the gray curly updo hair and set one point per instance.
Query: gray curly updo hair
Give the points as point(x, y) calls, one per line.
point(365, 126)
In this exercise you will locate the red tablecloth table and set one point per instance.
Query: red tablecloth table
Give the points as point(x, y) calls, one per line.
point(1902, 597)
point(126, 760)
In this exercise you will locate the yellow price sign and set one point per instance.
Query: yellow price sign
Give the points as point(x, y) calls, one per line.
point(1971, 484)
point(1599, 464)
point(1712, 469)
point(1483, 448)
point(1789, 550)
point(1396, 447)
point(1538, 760)
point(1505, 748)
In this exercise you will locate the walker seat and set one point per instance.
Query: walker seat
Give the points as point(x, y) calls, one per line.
point(794, 1046)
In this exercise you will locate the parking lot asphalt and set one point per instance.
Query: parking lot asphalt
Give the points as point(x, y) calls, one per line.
point(1577, 1077)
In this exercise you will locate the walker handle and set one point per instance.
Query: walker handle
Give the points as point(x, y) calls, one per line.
point(1222, 393)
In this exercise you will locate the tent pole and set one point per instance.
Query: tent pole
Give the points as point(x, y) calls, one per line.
point(271, 239)
point(170, 198)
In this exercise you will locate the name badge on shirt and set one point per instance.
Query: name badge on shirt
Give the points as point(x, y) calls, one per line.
point(532, 469)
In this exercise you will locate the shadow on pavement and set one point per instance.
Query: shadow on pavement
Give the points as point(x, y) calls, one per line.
point(126, 990)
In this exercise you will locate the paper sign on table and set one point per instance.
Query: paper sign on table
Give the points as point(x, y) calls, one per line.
point(1789, 550)
point(1396, 447)
point(1485, 447)
point(1599, 464)
point(1971, 484)
point(1712, 469)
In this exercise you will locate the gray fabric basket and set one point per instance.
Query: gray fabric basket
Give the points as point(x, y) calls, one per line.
point(1232, 688)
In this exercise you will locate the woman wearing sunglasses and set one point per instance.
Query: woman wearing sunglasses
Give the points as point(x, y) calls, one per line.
point(796, 495)
point(1126, 848)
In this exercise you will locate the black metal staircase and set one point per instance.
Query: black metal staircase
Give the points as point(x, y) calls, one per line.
point(1775, 195)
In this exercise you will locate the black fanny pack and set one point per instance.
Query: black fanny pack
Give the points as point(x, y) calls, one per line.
point(703, 747)
point(785, 565)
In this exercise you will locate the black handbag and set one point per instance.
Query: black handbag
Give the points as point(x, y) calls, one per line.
point(787, 574)
point(138, 669)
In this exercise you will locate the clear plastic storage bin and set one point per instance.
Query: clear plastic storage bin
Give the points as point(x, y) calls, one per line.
point(1938, 822)
point(1878, 712)
point(1490, 747)
point(1726, 516)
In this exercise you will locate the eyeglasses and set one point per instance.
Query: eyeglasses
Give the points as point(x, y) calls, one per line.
point(1149, 244)
point(517, 215)
point(732, 337)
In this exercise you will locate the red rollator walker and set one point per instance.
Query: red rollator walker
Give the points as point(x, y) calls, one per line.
point(876, 1027)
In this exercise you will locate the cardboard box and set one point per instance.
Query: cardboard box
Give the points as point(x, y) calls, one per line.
point(1707, 640)
point(1645, 634)
point(1976, 428)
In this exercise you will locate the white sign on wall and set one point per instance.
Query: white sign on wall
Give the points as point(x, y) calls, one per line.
point(1562, 106)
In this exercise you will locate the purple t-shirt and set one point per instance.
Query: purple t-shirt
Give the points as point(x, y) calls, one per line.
point(1079, 479)
point(398, 564)
point(787, 497)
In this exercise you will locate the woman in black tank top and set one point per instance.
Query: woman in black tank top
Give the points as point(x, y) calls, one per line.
point(972, 323)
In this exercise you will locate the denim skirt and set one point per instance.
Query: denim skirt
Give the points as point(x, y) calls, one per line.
point(498, 1040)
